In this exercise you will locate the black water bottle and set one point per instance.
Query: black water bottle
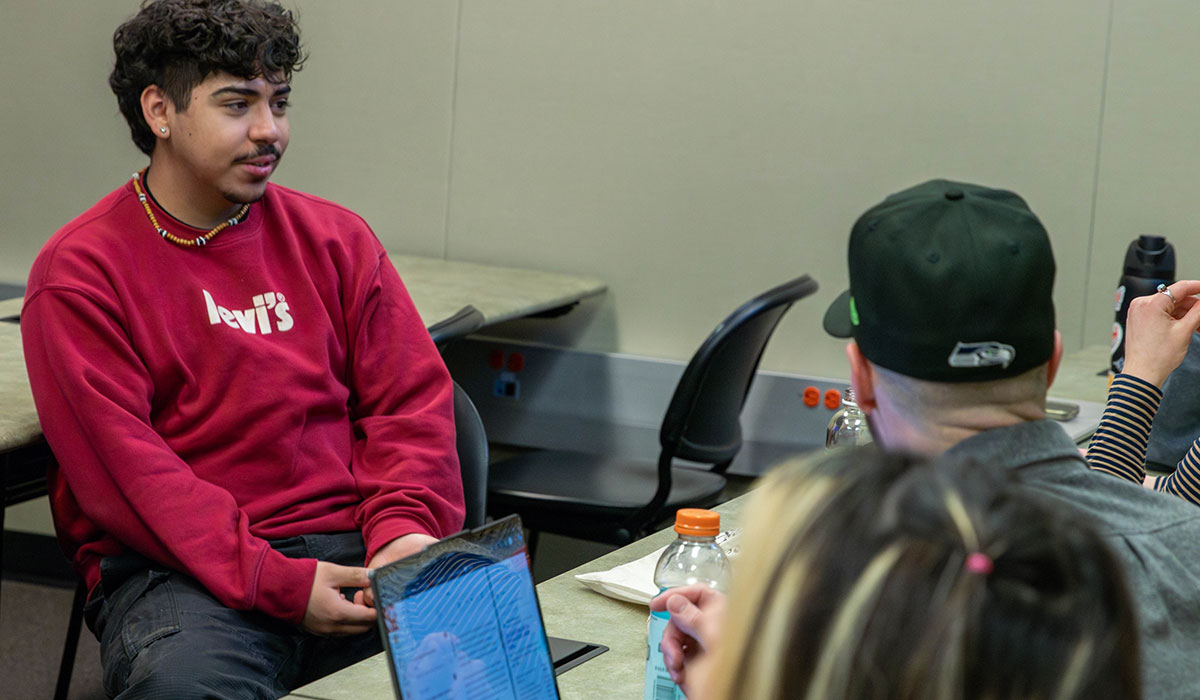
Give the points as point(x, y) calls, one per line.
point(1149, 262)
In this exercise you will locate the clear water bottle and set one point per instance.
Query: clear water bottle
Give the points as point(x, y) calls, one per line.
point(848, 427)
point(694, 557)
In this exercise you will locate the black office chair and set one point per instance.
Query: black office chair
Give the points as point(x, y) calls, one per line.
point(472, 444)
point(470, 441)
point(614, 500)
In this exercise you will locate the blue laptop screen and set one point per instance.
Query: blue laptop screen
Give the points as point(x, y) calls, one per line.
point(465, 623)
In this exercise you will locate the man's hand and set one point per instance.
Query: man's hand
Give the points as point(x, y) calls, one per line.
point(398, 548)
point(1157, 331)
point(696, 615)
point(328, 612)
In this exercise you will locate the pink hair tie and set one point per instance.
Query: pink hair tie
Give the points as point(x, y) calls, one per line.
point(978, 563)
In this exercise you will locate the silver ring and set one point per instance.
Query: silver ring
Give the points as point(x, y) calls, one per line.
point(1163, 289)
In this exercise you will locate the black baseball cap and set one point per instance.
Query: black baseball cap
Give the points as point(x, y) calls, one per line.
point(949, 282)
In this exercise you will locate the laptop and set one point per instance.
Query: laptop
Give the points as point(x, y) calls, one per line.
point(460, 619)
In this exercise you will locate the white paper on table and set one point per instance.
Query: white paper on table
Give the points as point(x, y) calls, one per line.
point(633, 581)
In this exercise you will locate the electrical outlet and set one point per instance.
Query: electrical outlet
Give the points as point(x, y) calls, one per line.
point(507, 386)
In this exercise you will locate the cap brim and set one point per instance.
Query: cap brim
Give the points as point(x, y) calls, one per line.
point(837, 317)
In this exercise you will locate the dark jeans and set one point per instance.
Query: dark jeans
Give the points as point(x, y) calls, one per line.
point(163, 636)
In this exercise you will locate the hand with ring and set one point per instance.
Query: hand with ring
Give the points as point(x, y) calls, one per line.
point(1158, 330)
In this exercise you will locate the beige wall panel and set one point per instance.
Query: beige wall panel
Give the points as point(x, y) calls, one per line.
point(694, 153)
point(63, 144)
point(372, 115)
point(1150, 155)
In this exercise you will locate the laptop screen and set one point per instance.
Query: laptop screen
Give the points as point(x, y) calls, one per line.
point(461, 619)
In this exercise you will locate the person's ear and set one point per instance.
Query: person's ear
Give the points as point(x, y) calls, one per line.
point(156, 108)
point(1055, 359)
point(862, 378)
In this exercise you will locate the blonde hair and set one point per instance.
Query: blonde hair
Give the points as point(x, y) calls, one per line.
point(854, 585)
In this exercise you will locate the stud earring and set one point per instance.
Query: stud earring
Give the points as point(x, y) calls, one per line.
point(163, 129)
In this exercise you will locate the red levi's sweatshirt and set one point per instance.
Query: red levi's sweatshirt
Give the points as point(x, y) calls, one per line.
point(200, 401)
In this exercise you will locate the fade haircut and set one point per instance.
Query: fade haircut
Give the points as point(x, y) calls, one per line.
point(177, 44)
point(930, 402)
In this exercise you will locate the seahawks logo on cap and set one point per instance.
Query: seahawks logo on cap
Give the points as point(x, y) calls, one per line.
point(982, 354)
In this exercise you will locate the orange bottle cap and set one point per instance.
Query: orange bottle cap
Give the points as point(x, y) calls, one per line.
point(697, 522)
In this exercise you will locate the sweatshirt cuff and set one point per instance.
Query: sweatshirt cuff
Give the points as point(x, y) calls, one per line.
point(284, 586)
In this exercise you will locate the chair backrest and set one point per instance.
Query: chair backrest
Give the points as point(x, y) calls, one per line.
point(470, 438)
point(471, 441)
point(466, 320)
point(702, 421)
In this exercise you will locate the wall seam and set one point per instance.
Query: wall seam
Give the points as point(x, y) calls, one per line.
point(453, 132)
point(1087, 277)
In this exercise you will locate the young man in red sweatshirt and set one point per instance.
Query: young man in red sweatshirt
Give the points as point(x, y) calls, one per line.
point(244, 405)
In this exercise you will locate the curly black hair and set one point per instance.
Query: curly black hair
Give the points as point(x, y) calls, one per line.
point(176, 44)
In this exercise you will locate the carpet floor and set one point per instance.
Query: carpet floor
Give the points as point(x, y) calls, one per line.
point(33, 624)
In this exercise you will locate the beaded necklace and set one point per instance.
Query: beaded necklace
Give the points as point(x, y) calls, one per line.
point(198, 240)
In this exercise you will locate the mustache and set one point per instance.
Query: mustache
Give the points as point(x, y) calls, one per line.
point(267, 149)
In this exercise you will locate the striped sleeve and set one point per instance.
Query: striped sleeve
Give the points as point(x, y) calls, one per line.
point(1185, 480)
point(1119, 444)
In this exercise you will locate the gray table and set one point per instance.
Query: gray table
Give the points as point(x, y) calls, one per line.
point(441, 287)
point(1080, 375)
point(18, 420)
point(10, 308)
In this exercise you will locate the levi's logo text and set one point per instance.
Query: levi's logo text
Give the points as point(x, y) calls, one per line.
point(268, 313)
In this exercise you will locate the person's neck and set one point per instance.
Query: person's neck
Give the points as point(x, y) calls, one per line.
point(178, 193)
point(900, 430)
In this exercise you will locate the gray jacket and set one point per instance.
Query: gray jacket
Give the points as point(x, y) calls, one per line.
point(1155, 534)
point(1177, 423)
